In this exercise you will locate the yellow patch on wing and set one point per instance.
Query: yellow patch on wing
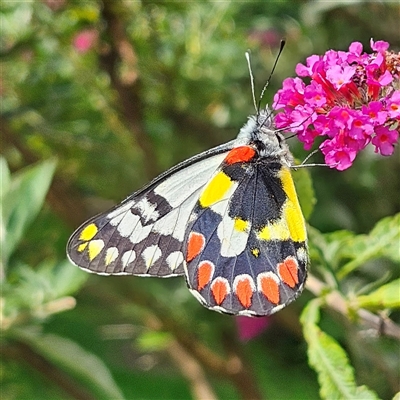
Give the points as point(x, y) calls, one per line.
point(255, 252)
point(94, 248)
point(291, 208)
point(89, 232)
point(276, 231)
point(215, 190)
point(241, 225)
point(82, 247)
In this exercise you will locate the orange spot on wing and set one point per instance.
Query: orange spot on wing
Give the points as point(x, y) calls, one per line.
point(195, 245)
point(219, 289)
point(204, 274)
point(288, 272)
point(244, 292)
point(240, 154)
point(270, 289)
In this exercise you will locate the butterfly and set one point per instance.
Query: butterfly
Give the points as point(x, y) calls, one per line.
point(228, 219)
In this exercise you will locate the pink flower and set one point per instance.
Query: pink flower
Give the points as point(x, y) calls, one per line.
point(339, 76)
point(85, 40)
point(352, 98)
point(393, 105)
point(384, 140)
point(249, 328)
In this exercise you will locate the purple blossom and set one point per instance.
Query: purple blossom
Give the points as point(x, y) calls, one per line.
point(351, 98)
point(248, 327)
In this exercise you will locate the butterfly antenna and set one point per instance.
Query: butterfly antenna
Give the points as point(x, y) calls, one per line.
point(283, 42)
point(251, 80)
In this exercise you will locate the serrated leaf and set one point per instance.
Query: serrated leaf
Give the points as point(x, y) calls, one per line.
point(305, 191)
point(382, 241)
point(68, 356)
point(387, 296)
point(330, 361)
point(22, 202)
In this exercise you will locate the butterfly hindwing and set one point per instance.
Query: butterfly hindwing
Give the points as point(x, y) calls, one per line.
point(144, 234)
point(246, 243)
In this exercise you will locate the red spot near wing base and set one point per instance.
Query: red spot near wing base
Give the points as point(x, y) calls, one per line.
point(240, 154)
point(288, 271)
point(204, 274)
point(196, 243)
point(244, 289)
point(220, 289)
point(269, 288)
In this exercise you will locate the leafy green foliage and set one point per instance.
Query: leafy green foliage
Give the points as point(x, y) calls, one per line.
point(33, 294)
point(327, 357)
point(387, 296)
point(21, 200)
point(70, 357)
point(382, 241)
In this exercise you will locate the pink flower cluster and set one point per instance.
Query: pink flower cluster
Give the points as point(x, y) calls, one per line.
point(85, 40)
point(352, 98)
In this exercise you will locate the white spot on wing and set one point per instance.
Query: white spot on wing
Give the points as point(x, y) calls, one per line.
point(140, 233)
point(302, 254)
point(111, 255)
point(233, 241)
point(147, 210)
point(125, 223)
point(128, 257)
point(174, 259)
point(129, 225)
point(151, 254)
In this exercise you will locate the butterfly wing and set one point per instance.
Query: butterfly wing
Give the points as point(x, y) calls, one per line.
point(246, 242)
point(144, 234)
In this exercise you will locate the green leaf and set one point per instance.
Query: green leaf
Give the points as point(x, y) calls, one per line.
point(329, 360)
point(64, 278)
point(305, 191)
point(42, 291)
point(153, 341)
point(5, 177)
point(68, 356)
point(382, 241)
point(329, 246)
point(22, 202)
point(387, 296)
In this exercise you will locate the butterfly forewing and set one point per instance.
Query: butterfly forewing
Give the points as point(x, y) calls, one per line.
point(144, 234)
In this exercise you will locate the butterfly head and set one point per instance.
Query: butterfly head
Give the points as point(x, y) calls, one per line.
point(260, 131)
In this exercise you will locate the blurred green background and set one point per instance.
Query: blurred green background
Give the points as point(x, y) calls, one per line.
point(109, 94)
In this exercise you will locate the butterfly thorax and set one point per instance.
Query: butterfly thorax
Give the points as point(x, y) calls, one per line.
point(261, 134)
